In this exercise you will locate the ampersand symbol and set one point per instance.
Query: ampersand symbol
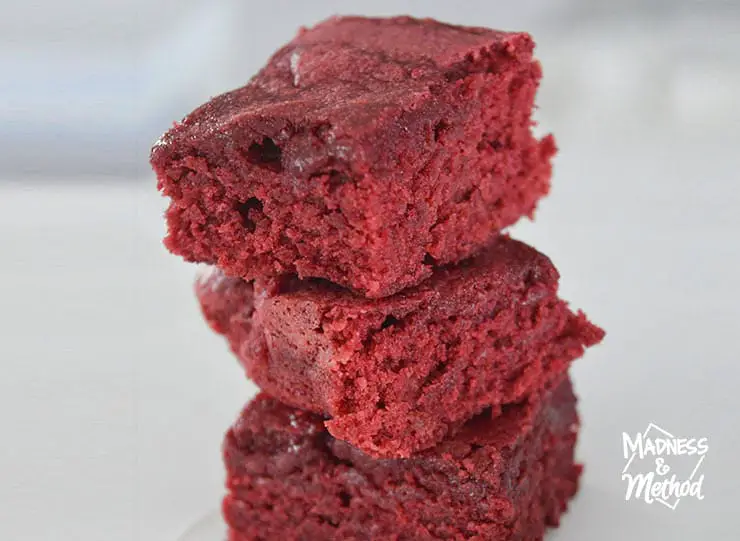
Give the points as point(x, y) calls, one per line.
point(661, 468)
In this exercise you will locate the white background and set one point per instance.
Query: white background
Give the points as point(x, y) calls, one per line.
point(115, 395)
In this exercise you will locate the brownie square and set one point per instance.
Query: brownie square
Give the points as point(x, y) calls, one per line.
point(365, 152)
point(502, 478)
point(397, 375)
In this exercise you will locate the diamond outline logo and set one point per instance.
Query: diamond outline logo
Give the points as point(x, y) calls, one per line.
point(644, 435)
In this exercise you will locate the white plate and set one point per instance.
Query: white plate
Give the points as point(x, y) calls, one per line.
point(209, 528)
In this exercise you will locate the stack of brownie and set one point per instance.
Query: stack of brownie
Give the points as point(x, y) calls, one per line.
point(413, 359)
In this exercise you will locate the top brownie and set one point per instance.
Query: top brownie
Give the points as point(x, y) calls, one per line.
point(365, 152)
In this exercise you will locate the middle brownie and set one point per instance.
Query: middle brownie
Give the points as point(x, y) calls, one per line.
point(396, 375)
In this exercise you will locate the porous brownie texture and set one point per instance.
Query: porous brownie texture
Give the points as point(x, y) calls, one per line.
point(365, 152)
point(397, 375)
point(502, 478)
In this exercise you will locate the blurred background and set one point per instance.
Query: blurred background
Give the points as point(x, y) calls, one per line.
point(115, 394)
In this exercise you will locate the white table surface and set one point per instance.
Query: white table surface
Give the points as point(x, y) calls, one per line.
point(115, 395)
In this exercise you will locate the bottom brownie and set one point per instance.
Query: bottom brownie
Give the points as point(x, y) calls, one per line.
point(501, 478)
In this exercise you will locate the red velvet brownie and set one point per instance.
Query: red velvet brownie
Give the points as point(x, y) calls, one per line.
point(503, 478)
point(365, 152)
point(398, 374)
